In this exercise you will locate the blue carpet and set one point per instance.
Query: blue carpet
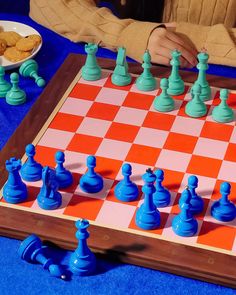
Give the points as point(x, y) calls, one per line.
point(18, 277)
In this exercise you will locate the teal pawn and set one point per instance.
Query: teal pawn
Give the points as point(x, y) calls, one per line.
point(29, 68)
point(91, 71)
point(15, 95)
point(196, 107)
point(176, 84)
point(146, 81)
point(121, 76)
point(201, 80)
point(4, 85)
point(164, 102)
point(223, 113)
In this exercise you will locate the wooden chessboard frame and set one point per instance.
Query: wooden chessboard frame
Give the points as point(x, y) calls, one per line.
point(122, 246)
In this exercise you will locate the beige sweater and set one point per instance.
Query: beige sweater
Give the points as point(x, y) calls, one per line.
point(207, 23)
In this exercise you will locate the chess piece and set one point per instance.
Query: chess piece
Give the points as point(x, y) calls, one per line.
point(49, 198)
point(31, 170)
point(91, 182)
point(223, 209)
point(31, 250)
point(4, 85)
point(146, 81)
point(14, 190)
point(202, 66)
point(29, 68)
point(176, 84)
point(223, 113)
point(126, 190)
point(163, 102)
point(196, 107)
point(91, 71)
point(184, 224)
point(82, 261)
point(161, 197)
point(15, 95)
point(196, 201)
point(121, 76)
point(147, 216)
point(64, 176)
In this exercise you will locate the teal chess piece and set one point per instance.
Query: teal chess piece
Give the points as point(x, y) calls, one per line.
point(202, 66)
point(29, 68)
point(4, 85)
point(15, 96)
point(164, 102)
point(82, 261)
point(147, 216)
point(146, 81)
point(223, 113)
point(91, 71)
point(196, 107)
point(176, 84)
point(121, 76)
point(184, 224)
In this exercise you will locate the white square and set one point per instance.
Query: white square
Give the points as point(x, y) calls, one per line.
point(173, 160)
point(111, 96)
point(54, 138)
point(75, 162)
point(113, 149)
point(76, 106)
point(227, 171)
point(93, 127)
point(151, 137)
point(130, 116)
point(187, 126)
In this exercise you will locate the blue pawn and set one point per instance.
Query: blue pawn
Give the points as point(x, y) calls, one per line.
point(196, 201)
point(147, 216)
point(31, 170)
point(49, 198)
point(91, 182)
point(184, 224)
point(64, 176)
point(126, 190)
point(161, 197)
point(31, 250)
point(82, 261)
point(14, 190)
point(224, 209)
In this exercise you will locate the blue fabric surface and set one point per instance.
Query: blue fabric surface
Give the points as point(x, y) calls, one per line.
point(18, 277)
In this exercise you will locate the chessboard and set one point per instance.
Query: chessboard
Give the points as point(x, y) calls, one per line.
point(119, 125)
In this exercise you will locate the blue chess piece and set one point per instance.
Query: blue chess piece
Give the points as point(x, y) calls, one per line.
point(91, 182)
point(31, 170)
point(224, 209)
point(196, 202)
point(184, 224)
point(126, 190)
point(31, 250)
point(64, 176)
point(49, 198)
point(82, 261)
point(147, 216)
point(14, 190)
point(161, 197)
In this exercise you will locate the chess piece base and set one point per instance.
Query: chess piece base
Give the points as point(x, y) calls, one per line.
point(49, 203)
point(166, 106)
point(91, 185)
point(91, 74)
point(176, 88)
point(161, 199)
point(34, 174)
point(184, 228)
point(15, 194)
point(146, 84)
point(64, 178)
point(120, 80)
point(196, 111)
point(15, 98)
point(223, 213)
point(82, 266)
point(147, 220)
point(223, 116)
point(126, 193)
point(7, 87)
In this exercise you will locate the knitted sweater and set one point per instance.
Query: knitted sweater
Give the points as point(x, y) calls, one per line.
point(207, 23)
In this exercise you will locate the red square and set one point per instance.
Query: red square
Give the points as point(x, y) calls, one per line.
point(180, 142)
point(143, 154)
point(83, 207)
point(108, 168)
point(216, 131)
point(230, 154)
point(123, 132)
point(84, 144)
point(109, 84)
point(216, 193)
point(158, 231)
point(45, 155)
point(103, 111)
point(182, 112)
point(66, 122)
point(85, 91)
point(204, 166)
point(217, 235)
point(159, 121)
point(138, 100)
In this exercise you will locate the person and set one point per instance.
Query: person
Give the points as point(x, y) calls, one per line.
point(157, 25)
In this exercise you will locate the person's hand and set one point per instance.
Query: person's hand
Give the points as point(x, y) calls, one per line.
point(163, 40)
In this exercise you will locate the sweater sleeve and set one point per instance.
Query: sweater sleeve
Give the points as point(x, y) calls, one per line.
point(81, 20)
